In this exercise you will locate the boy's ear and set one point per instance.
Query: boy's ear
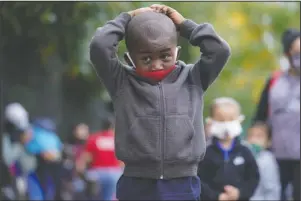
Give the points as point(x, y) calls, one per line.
point(127, 59)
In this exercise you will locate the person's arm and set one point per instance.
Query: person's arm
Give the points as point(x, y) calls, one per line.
point(215, 51)
point(86, 156)
point(262, 111)
point(270, 179)
point(251, 179)
point(205, 174)
point(10, 151)
point(103, 52)
point(84, 159)
point(208, 193)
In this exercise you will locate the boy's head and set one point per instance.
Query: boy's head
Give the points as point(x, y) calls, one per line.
point(259, 134)
point(151, 39)
point(225, 118)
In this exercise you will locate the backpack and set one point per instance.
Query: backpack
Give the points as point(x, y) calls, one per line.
point(274, 78)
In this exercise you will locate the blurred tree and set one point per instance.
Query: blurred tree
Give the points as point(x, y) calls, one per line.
point(44, 48)
point(253, 30)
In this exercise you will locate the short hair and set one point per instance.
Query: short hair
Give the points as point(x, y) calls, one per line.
point(224, 101)
point(288, 37)
point(150, 28)
point(264, 126)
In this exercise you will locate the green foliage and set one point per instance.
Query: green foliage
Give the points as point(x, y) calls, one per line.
point(253, 30)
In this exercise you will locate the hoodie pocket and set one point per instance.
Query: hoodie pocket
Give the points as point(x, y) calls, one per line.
point(179, 138)
point(142, 140)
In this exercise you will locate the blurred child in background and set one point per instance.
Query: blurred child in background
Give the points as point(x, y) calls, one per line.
point(229, 168)
point(74, 183)
point(269, 187)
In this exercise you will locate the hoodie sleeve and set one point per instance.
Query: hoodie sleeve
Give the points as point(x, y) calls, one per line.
point(103, 52)
point(251, 177)
point(270, 178)
point(215, 52)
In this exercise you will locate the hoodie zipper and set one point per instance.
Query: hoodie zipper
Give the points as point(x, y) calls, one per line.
point(162, 130)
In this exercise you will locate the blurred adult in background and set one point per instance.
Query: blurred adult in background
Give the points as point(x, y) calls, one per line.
point(279, 106)
point(73, 148)
point(99, 157)
point(45, 182)
point(16, 163)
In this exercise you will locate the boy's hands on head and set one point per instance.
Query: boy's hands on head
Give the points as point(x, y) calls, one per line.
point(139, 10)
point(174, 15)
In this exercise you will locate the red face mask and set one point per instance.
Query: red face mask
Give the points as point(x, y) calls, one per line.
point(157, 75)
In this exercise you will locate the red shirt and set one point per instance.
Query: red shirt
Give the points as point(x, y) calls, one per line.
point(101, 147)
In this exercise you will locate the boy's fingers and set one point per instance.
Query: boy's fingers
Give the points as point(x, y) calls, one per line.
point(164, 10)
point(146, 9)
point(227, 188)
point(156, 6)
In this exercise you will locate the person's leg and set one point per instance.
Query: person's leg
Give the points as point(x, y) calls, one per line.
point(108, 179)
point(34, 189)
point(296, 181)
point(131, 188)
point(286, 174)
point(186, 188)
point(115, 175)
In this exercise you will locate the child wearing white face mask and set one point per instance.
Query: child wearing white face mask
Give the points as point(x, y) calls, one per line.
point(229, 169)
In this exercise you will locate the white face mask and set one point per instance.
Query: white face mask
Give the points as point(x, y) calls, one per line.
point(230, 128)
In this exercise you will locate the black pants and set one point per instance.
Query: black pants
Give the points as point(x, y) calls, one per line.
point(290, 173)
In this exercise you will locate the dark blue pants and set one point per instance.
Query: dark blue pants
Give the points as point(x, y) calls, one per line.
point(185, 188)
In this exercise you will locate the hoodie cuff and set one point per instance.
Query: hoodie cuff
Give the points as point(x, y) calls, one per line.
point(186, 28)
point(123, 18)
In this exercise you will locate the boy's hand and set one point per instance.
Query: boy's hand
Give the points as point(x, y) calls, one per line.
point(174, 15)
point(232, 192)
point(223, 197)
point(139, 10)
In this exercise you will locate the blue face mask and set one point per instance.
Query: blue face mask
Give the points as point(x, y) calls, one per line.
point(295, 59)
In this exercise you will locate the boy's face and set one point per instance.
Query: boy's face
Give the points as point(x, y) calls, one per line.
point(154, 57)
point(225, 121)
point(82, 132)
point(225, 112)
point(258, 135)
point(151, 40)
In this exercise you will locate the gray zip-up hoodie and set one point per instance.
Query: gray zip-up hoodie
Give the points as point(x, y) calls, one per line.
point(159, 126)
point(269, 187)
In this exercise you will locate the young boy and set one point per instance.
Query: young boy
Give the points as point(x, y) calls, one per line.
point(157, 99)
point(229, 168)
point(269, 187)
